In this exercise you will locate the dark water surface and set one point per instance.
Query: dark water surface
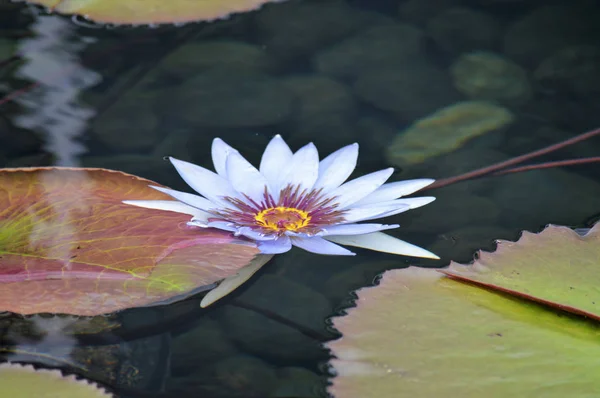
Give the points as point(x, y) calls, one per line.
point(513, 75)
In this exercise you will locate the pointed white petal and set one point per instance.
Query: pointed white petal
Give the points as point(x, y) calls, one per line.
point(371, 212)
point(320, 246)
point(245, 178)
point(169, 205)
point(381, 242)
point(391, 213)
point(189, 199)
point(277, 246)
point(356, 229)
point(302, 170)
point(395, 190)
point(337, 167)
point(228, 285)
point(412, 203)
point(275, 158)
point(220, 151)
point(415, 202)
point(205, 182)
point(398, 206)
point(356, 189)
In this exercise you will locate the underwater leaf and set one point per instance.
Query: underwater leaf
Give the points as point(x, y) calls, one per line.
point(69, 245)
point(421, 334)
point(557, 267)
point(151, 11)
point(24, 381)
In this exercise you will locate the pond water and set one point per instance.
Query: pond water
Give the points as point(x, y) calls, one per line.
point(487, 79)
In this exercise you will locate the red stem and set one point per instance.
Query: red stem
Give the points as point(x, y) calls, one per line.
point(510, 162)
point(548, 165)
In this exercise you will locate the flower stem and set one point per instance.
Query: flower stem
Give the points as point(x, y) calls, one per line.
point(516, 160)
point(548, 165)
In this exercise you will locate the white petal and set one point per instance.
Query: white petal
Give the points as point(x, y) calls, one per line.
point(381, 242)
point(228, 285)
point(395, 190)
point(245, 178)
point(321, 246)
point(169, 205)
point(205, 182)
point(301, 234)
point(371, 212)
point(337, 167)
point(223, 225)
point(254, 235)
point(277, 246)
point(189, 199)
point(355, 229)
point(195, 222)
point(302, 170)
point(415, 202)
point(275, 158)
point(397, 206)
point(389, 214)
point(220, 151)
point(356, 189)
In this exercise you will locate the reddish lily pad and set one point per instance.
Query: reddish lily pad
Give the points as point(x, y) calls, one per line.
point(152, 11)
point(557, 267)
point(69, 245)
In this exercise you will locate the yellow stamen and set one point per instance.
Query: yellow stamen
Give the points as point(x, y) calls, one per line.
point(282, 218)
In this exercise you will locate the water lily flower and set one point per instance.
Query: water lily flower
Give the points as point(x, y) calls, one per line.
point(293, 199)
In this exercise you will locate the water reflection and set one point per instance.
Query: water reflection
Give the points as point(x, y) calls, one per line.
point(54, 108)
point(50, 343)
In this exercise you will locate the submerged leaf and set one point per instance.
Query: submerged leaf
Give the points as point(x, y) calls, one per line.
point(20, 381)
point(69, 245)
point(420, 334)
point(151, 11)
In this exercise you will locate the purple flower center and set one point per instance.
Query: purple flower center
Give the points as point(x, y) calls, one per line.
point(295, 211)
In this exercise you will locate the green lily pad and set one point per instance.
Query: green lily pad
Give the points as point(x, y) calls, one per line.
point(151, 11)
point(19, 381)
point(69, 245)
point(422, 334)
point(557, 267)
